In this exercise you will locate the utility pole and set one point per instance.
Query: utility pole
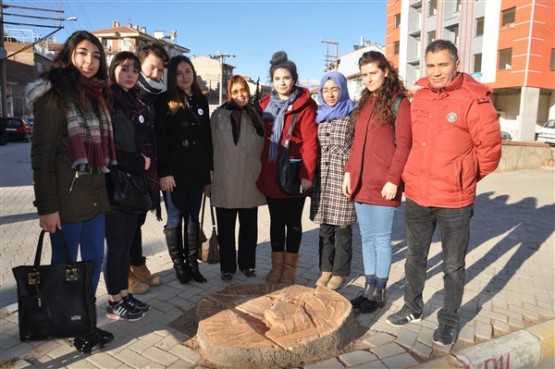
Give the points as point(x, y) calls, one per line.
point(329, 60)
point(221, 56)
point(3, 54)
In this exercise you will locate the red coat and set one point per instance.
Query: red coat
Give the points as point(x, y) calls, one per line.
point(303, 144)
point(456, 141)
point(375, 159)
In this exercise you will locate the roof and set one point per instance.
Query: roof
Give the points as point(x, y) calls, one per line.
point(348, 64)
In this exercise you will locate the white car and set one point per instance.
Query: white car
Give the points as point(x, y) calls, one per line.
point(547, 132)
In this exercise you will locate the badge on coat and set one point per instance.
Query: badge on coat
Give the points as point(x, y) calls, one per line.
point(200, 111)
point(452, 117)
point(141, 119)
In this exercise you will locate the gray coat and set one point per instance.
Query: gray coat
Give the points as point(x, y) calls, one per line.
point(236, 167)
point(328, 205)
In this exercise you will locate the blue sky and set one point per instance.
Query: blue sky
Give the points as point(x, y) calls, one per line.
point(250, 30)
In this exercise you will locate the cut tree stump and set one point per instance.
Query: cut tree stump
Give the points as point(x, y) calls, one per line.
point(272, 326)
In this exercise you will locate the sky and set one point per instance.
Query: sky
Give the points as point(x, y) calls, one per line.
point(250, 30)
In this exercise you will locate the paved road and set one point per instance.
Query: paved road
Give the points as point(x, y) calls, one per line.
point(510, 280)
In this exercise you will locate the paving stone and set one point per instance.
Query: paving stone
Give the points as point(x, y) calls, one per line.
point(425, 336)
point(357, 358)
point(103, 360)
point(403, 360)
point(185, 353)
point(422, 350)
point(160, 356)
point(467, 333)
point(543, 312)
point(326, 364)
point(407, 338)
point(516, 323)
point(388, 350)
point(483, 331)
point(528, 314)
point(379, 339)
point(500, 328)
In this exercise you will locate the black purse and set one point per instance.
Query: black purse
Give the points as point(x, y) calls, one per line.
point(55, 301)
point(288, 170)
point(128, 192)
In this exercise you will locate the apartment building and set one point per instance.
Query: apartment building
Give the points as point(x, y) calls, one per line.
point(508, 45)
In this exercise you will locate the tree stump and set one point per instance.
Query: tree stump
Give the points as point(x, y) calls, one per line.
point(272, 326)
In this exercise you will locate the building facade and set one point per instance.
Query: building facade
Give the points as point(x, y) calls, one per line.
point(508, 45)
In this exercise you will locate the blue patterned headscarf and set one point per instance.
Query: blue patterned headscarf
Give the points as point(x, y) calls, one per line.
point(343, 107)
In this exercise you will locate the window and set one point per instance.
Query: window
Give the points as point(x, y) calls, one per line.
point(452, 34)
point(505, 58)
point(479, 26)
point(432, 10)
point(397, 20)
point(552, 63)
point(477, 63)
point(458, 6)
point(396, 48)
point(508, 17)
point(431, 37)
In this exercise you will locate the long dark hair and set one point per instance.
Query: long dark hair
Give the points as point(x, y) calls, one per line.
point(121, 58)
point(383, 110)
point(65, 77)
point(176, 96)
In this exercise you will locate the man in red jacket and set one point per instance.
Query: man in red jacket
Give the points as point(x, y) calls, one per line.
point(456, 141)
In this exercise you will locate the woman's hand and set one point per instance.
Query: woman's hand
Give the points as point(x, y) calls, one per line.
point(50, 222)
point(147, 161)
point(346, 186)
point(207, 190)
point(306, 184)
point(167, 183)
point(389, 191)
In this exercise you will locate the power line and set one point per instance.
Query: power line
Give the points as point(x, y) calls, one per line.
point(330, 61)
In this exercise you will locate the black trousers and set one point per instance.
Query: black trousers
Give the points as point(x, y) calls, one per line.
point(136, 252)
point(120, 230)
point(248, 236)
point(285, 223)
point(336, 249)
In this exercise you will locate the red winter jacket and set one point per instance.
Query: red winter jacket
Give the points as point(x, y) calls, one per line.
point(456, 141)
point(303, 144)
point(375, 159)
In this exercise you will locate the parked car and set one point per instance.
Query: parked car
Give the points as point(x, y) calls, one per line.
point(17, 128)
point(547, 132)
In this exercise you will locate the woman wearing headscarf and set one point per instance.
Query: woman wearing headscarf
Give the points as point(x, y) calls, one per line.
point(287, 102)
point(329, 207)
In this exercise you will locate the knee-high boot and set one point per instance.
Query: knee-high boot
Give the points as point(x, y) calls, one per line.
point(174, 240)
point(191, 254)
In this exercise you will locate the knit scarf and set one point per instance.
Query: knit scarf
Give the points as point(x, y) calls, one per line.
point(236, 112)
point(149, 88)
point(90, 132)
point(275, 110)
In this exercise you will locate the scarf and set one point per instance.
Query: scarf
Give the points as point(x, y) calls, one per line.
point(136, 110)
point(275, 110)
point(344, 105)
point(90, 132)
point(149, 88)
point(236, 112)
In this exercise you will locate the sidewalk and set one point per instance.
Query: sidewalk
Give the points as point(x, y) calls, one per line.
point(507, 313)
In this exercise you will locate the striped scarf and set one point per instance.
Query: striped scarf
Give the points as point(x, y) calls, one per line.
point(90, 135)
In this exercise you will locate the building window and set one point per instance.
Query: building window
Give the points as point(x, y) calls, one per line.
point(397, 20)
point(431, 37)
point(458, 6)
point(396, 48)
point(432, 10)
point(452, 34)
point(479, 26)
point(505, 59)
point(477, 63)
point(508, 17)
point(552, 63)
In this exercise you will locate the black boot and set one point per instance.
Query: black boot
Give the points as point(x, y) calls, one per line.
point(191, 254)
point(377, 301)
point(174, 240)
point(363, 297)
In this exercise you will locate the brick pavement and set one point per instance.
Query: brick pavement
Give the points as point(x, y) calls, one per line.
point(510, 284)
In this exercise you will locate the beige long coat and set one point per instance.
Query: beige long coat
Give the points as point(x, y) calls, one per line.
point(236, 167)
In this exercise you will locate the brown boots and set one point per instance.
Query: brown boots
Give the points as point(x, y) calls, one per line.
point(284, 267)
point(140, 279)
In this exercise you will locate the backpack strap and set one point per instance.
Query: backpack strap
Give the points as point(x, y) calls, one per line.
point(396, 104)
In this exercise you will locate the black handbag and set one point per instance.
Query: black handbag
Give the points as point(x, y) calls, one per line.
point(128, 192)
point(288, 170)
point(55, 301)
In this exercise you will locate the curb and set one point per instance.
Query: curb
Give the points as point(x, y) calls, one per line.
point(524, 349)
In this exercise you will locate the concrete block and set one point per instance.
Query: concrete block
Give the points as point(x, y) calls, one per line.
point(388, 350)
point(326, 364)
point(545, 333)
point(379, 339)
point(357, 358)
point(403, 360)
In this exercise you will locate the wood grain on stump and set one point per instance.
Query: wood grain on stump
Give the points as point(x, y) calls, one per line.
point(267, 326)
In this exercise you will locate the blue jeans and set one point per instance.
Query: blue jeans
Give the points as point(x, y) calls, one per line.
point(376, 224)
point(454, 226)
point(89, 235)
point(174, 215)
point(188, 201)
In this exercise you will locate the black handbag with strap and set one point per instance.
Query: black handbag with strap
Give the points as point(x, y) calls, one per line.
point(128, 192)
point(288, 169)
point(55, 301)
